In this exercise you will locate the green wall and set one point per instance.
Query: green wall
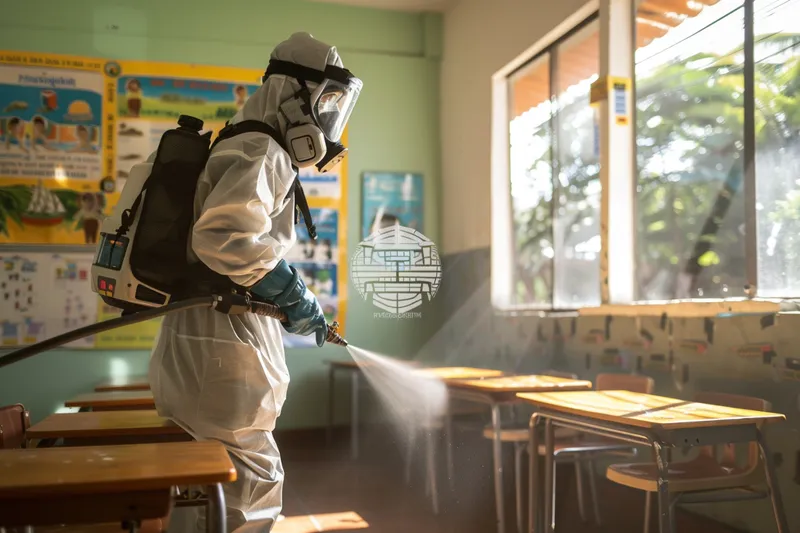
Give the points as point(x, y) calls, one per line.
point(394, 127)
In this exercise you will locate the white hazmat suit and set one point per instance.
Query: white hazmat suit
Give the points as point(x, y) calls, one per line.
point(224, 377)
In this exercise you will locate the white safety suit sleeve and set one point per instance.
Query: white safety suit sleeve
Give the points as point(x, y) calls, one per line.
point(234, 233)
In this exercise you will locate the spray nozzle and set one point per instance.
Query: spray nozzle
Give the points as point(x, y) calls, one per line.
point(333, 335)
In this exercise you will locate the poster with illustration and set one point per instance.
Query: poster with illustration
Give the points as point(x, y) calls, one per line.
point(390, 198)
point(325, 249)
point(45, 295)
point(317, 262)
point(151, 97)
point(55, 175)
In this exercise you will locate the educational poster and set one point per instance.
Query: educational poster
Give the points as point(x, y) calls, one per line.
point(317, 262)
point(151, 97)
point(390, 198)
point(55, 163)
point(45, 295)
point(319, 185)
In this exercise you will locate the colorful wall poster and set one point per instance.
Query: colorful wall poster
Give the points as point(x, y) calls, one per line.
point(45, 295)
point(318, 262)
point(390, 198)
point(151, 96)
point(54, 147)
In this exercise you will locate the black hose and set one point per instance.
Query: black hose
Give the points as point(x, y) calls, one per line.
point(134, 318)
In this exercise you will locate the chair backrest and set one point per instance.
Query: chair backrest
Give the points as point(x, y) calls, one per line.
point(559, 374)
point(14, 422)
point(629, 382)
point(728, 456)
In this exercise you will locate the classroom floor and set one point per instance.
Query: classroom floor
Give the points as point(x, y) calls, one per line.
point(323, 481)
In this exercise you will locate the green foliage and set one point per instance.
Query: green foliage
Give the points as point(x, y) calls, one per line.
point(13, 202)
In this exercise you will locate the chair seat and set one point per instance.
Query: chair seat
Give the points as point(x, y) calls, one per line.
point(520, 434)
point(703, 473)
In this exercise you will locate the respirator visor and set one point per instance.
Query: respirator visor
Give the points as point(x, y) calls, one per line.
point(333, 101)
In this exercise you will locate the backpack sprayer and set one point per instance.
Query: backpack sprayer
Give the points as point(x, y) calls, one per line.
point(142, 265)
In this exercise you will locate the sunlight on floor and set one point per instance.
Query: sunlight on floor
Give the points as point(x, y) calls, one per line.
point(313, 523)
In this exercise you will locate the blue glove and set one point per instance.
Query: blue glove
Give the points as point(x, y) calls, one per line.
point(285, 289)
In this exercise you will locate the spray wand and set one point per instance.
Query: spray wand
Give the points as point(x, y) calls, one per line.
point(230, 304)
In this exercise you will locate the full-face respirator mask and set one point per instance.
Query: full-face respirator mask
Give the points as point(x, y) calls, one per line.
point(316, 117)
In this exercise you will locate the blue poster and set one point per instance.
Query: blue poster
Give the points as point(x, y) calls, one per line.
point(317, 262)
point(390, 198)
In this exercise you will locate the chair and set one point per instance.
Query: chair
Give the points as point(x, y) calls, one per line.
point(14, 423)
point(692, 481)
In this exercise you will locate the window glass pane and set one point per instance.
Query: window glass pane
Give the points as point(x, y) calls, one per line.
point(531, 183)
point(577, 208)
point(689, 96)
point(777, 117)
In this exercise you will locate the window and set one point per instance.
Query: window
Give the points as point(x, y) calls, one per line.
point(777, 159)
point(554, 175)
point(690, 140)
point(691, 147)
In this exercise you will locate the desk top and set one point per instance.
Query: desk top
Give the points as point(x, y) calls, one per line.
point(102, 424)
point(113, 399)
point(530, 383)
point(50, 472)
point(449, 373)
point(645, 410)
point(124, 383)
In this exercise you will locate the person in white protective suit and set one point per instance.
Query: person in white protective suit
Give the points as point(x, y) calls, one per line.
point(224, 377)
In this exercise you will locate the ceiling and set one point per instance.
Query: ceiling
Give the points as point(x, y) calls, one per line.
point(398, 5)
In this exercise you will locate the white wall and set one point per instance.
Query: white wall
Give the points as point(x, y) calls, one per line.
point(480, 38)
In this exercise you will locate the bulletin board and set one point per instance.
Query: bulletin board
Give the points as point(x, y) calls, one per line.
point(71, 129)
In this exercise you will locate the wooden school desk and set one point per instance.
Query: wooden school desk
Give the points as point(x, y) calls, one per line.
point(654, 421)
point(112, 401)
point(129, 383)
point(51, 486)
point(503, 390)
point(105, 428)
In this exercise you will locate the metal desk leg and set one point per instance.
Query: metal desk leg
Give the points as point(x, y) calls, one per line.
point(497, 449)
point(519, 450)
point(666, 519)
point(331, 400)
point(354, 414)
point(534, 489)
point(773, 485)
point(549, 497)
point(448, 434)
point(430, 454)
point(215, 509)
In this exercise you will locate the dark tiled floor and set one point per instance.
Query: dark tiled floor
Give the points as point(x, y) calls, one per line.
point(322, 480)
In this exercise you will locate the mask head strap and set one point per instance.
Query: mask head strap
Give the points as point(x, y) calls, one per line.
point(302, 74)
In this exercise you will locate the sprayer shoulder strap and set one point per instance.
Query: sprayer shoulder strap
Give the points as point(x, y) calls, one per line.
point(300, 201)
